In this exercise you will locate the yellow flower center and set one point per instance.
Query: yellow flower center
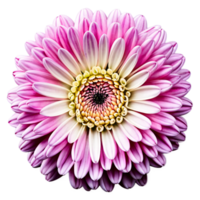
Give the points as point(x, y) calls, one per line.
point(99, 98)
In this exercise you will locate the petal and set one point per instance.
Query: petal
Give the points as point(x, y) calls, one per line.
point(120, 138)
point(62, 131)
point(109, 145)
point(101, 19)
point(120, 160)
point(82, 167)
point(67, 162)
point(50, 90)
point(95, 145)
point(95, 171)
point(143, 167)
point(79, 146)
point(149, 151)
point(128, 66)
point(168, 103)
point(140, 23)
point(74, 41)
point(163, 118)
point(69, 61)
point(103, 51)
point(137, 80)
point(114, 175)
point(58, 71)
point(114, 32)
point(116, 54)
point(114, 16)
point(148, 137)
point(105, 162)
point(55, 109)
point(144, 93)
point(138, 120)
point(144, 107)
point(90, 49)
point(77, 131)
point(135, 153)
point(131, 131)
point(43, 127)
point(126, 21)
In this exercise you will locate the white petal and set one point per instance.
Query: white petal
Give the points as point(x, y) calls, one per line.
point(145, 92)
point(69, 61)
point(50, 90)
point(108, 143)
point(95, 145)
point(55, 109)
point(144, 107)
point(138, 120)
point(103, 51)
point(77, 131)
point(130, 131)
point(90, 49)
point(116, 54)
point(121, 138)
point(137, 80)
point(58, 71)
point(128, 66)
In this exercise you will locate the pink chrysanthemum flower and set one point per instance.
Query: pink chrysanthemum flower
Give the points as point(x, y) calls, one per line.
point(101, 98)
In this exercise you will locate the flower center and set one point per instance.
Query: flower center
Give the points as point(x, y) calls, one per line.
point(99, 98)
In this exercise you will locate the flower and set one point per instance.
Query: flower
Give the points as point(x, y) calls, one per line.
point(101, 98)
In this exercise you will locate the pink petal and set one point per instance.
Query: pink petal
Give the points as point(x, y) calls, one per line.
point(135, 153)
point(79, 146)
point(95, 171)
point(53, 150)
point(51, 48)
point(140, 23)
point(116, 54)
point(148, 137)
point(143, 167)
point(163, 144)
point(67, 162)
point(29, 45)
point(62, 131)
point(114, 16)
point(168, 103)
point(69, 62)
point(38, 38)
point(30, 118)
point(101, 19)
point(74, 41)
point(120, 160)
point(114, 175)
point(38, 54)
point(149, 151)
point(114, 32)
point(82, 167)
point(127, 22)
point(105, 162)
point(58, 71)
point(90, 49)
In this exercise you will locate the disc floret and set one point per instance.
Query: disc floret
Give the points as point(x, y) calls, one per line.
point(99, 98)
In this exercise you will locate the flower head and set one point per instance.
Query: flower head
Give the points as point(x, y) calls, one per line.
point(101, 98)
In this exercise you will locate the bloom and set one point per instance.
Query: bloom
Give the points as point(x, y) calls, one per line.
point(101, 99)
